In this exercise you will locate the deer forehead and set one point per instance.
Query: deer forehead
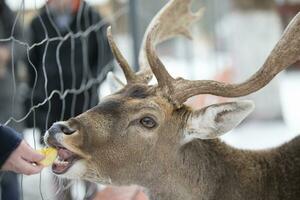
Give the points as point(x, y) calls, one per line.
point(134, 99)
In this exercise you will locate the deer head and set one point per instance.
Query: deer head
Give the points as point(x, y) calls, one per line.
point(135, 135)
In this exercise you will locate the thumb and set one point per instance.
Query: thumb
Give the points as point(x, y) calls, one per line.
point(31, 155)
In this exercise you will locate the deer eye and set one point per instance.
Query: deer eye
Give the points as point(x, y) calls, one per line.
point(148, 122)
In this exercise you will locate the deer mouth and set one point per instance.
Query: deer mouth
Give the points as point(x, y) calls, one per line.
point(65, 160)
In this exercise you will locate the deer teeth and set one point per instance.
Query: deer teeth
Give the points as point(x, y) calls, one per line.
point(58, 161)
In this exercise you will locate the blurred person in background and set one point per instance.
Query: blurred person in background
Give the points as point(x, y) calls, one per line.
point(10, 99)
point(247, 35)
point(66, 64)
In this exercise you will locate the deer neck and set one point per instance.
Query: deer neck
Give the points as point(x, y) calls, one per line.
point(193, 172)
point(205, 165)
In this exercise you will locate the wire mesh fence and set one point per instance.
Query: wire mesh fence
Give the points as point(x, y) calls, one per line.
point(54, 68)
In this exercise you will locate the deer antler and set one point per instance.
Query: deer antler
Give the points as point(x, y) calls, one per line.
point(174, 19)
point(285, 53)
point(130, 76)
point(143, 76)
point(167, 29)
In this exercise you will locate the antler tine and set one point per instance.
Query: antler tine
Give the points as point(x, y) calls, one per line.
point(172, 20)
point(285, 53)
point(143, 76)
point(129, 74)
point(163, 77)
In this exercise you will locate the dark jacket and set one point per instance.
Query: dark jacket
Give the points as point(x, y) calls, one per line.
point(9, 141)
point(80, 57)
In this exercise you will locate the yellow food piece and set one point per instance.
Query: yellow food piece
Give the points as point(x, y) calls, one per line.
point(50, 155)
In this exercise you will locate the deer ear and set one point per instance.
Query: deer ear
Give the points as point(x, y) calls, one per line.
point(215, 120)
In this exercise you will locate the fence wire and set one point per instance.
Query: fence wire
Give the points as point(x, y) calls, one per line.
point(87, 82)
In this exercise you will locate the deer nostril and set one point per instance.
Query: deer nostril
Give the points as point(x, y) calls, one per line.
point(67, 130)
point(61, 128)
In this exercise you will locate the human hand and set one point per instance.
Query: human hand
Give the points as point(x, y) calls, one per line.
point(23, 160)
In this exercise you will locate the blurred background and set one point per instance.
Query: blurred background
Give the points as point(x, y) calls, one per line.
point(59, 45)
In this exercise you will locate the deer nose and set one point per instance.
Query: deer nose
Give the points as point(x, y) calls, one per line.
point(61, 128)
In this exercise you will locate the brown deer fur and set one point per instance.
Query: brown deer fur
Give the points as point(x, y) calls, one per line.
point(200, 169)
point(144, 134)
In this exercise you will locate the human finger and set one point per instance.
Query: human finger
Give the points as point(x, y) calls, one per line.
point(29, 154)
point(27, 168)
